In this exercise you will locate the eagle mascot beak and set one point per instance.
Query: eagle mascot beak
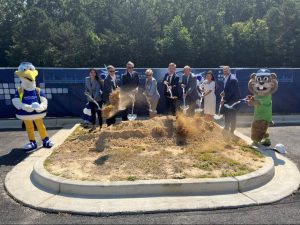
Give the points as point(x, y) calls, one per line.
point(27, 71)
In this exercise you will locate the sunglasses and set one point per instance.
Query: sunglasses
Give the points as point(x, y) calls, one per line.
point(112, 71)
point(148, 75)
point(130, 67)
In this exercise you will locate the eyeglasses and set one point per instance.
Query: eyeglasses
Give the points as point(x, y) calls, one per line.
point(130, 67)
point(148, 75)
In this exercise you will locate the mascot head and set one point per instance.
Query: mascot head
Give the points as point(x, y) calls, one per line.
point(27, 74)
point(263, 83)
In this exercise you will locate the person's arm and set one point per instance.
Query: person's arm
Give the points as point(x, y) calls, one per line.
point(97, 94)
point(175, 86)
point(232, 89)
point(176, 81)
point(183, 81)
point(87, 85)
point(137, 79)
point(153, 88)
point(101, 82)
point(211, 88)
point(165, 80)
point(106, 89)
point(193, 85)
point(124, 80)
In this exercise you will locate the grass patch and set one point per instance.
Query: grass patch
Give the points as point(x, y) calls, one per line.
point(250, 149)
point(131, 178)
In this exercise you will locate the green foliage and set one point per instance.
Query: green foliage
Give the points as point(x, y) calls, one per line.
point(152, 33)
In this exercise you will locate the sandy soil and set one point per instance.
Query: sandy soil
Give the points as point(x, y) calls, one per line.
point(159, 148)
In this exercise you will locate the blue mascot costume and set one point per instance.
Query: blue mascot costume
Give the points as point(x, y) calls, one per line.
point(31, 105)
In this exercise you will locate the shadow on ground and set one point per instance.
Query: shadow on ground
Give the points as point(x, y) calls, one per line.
point(14, 157)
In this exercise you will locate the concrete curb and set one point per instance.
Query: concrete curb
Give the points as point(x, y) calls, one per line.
point(285, 179)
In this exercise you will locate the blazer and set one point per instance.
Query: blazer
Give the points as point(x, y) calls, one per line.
point(130, 82)
point(232, 90)
point(108, 87)
point(174, 84)
point(191, 86)
point(151, 89)
point(93, 87)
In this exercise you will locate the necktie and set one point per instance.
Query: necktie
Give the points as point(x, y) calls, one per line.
point(169, 79)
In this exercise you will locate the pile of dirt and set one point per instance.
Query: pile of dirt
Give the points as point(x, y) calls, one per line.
point(159, 148)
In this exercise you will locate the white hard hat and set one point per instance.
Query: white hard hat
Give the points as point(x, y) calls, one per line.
point(280, 148)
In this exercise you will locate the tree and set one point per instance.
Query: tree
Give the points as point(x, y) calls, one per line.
point(206, 33)
point(10, 12)
point(176, 43)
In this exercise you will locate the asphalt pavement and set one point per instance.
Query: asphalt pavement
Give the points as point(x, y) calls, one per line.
point(286, 211)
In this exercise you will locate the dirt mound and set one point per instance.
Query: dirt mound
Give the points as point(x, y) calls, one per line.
point(179, 129)
point(159, 148)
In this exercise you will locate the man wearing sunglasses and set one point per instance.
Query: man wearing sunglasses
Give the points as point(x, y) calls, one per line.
point(130, 83)
point(171, 82)
point(110, 84)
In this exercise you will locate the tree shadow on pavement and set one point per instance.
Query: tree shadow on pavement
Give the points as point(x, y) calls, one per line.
point(14, 157)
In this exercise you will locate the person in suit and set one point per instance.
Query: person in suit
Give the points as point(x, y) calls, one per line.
point(189, 84)
point(171, 81)
point(110, 84)
point(231, 94)
point(93, 87)
point(151, 92)
point(130, 83)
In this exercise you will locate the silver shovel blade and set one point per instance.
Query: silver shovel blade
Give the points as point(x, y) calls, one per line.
point(198, 110)
point(131, 117)
point(184, 107)
point(218, 117)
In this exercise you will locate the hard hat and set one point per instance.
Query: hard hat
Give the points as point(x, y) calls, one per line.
point(263, 72)
point(280, 148)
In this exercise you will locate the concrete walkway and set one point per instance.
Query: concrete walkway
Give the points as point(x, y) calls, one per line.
point(21, 185)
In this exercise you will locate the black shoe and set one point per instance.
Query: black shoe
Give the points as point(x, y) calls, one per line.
point(93, 128)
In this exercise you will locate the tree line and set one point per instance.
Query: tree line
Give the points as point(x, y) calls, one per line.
point(151, 33)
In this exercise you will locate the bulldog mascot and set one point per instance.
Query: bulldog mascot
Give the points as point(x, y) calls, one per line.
point(31, 105)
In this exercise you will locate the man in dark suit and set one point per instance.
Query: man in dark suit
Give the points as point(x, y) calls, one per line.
point(130, 83)
point(110, 84)
point(189, 83)
point(231, 95)
point(171, 81)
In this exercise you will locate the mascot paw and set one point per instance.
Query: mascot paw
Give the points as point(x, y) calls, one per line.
point(35, 105)
point(30, 147)
point(47, 143)
point(27, 108)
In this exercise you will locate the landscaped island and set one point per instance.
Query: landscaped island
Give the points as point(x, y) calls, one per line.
point(164, 147)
